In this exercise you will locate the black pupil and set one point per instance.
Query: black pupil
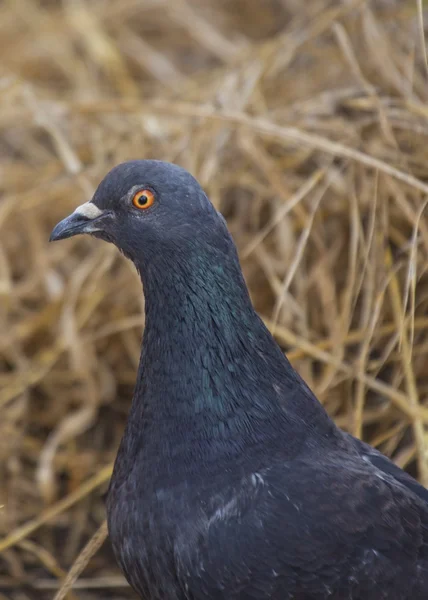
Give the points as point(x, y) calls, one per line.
point(142, 200)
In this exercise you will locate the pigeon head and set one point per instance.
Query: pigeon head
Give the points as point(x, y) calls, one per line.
point(147, 208)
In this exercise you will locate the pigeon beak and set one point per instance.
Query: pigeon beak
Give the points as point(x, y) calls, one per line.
point(83, 220)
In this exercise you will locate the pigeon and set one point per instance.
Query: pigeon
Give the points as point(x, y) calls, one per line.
point(231, 481)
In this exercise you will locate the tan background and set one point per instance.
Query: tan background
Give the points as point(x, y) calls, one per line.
point(306, 122)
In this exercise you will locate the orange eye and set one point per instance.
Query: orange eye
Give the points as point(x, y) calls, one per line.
point(143, 199)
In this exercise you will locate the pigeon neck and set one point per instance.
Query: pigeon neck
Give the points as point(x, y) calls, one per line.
point(204, 346)
point(211, 376)
point(202, 336)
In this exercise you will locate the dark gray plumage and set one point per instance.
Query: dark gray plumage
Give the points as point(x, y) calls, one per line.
point(231, 481)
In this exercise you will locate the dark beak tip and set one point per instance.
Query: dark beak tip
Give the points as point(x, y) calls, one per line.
point(68, 227)
point(53, 237)
point(60, 231)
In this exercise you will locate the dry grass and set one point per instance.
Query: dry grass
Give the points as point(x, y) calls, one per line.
point(307, 124)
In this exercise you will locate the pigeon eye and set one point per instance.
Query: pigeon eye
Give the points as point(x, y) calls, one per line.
point(143, 199)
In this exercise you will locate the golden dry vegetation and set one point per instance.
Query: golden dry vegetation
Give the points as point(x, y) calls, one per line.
point(307, 124)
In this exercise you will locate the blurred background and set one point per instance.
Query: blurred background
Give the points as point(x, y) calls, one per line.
point(307, 124)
